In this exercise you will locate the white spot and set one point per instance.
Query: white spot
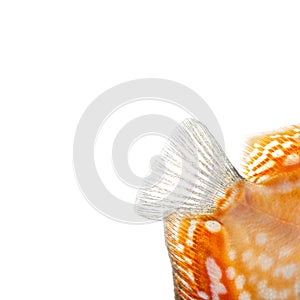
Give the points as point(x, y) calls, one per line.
point(215, 274)
point(188, 273)
point(247, 256)
point(297, 288)
point(263, 178)
point(292, 159)
point(230, 273)
point(189, 242)
point(275, 136)
point(239, 282)
point(192, 229)
point(257, 161)
point(244, 296)
point(213, 226)
point(178, 258)
point(180, 247)
point(191, 275)
point(267, 292)
point(261, 238)
point(277, 153)
point(286, 272)
point(265, 262)
point(287, 145)
point(285, 252)
point(296, 136)
point(285, 187)
point(175, 231)
point(254, 152)
point(188, 260)
point(183, 281)
point(175, 236)
point(268, 165)
point(248, 159)
point(203, 295)
point(251, 173)
point(271, 145)
point(296, 129)
point(232, 255)
point(284, 294)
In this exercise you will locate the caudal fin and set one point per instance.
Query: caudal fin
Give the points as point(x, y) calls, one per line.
point(191, 173)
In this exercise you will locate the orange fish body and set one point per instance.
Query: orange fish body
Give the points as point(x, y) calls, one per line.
point(245, 243)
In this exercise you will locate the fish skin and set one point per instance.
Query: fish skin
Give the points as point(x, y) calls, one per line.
point(251, 249)
point(229, 236)
point(257, 253)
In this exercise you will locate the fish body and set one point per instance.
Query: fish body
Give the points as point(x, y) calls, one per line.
point(229, 236)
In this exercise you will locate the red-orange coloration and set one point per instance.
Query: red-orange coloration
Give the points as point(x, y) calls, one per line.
point(231, 237)
point(250, 250)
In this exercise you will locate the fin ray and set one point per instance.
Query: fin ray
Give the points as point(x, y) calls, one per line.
point(190, 174)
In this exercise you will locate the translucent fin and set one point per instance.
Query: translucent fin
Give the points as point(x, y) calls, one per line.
point(271, 153)
point(191, 173)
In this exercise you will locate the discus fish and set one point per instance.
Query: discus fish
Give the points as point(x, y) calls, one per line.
point(229, 236)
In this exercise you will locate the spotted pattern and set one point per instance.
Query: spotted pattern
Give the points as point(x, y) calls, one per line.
point(189, 268)
point(213, 226)
point(252, 250)
point(219, 260)
point(271, 153)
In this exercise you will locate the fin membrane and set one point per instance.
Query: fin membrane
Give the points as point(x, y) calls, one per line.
point(191, 173)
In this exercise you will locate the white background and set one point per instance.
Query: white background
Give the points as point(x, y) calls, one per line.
point(242, 57)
